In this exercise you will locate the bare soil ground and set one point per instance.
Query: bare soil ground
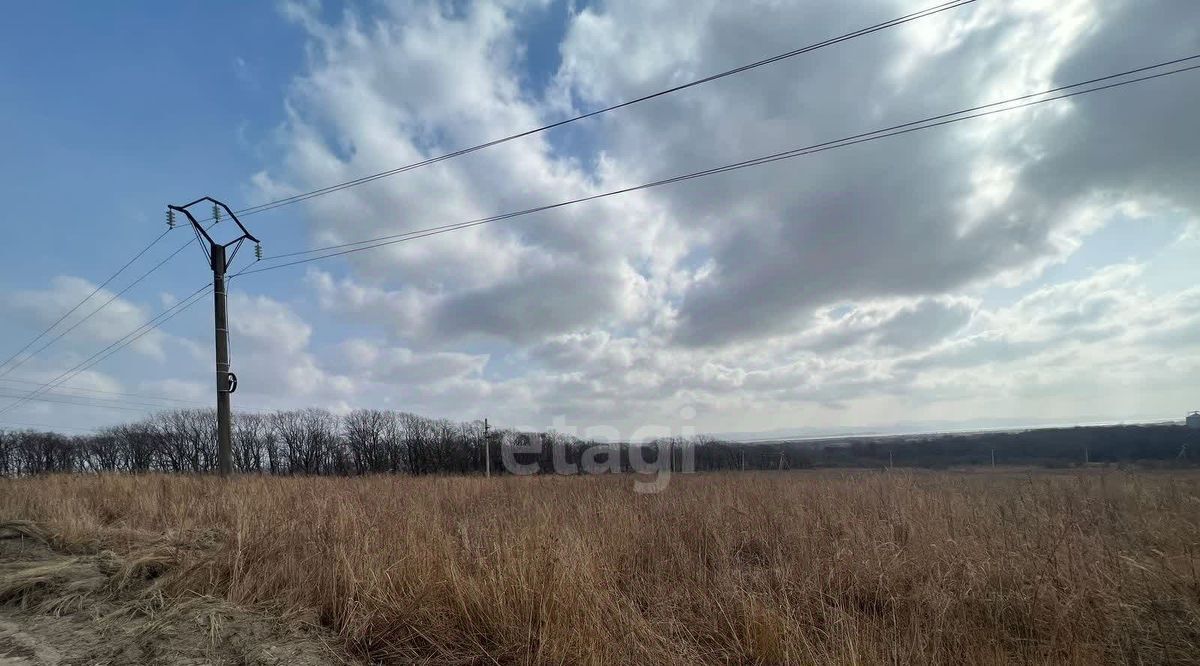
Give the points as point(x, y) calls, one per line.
point(69, 609)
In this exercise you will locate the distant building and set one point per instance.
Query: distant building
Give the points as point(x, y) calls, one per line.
point(1193, 420)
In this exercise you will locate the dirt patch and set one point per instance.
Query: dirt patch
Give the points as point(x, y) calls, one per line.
point(76, 609)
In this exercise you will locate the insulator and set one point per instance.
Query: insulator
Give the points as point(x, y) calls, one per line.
point(216, 213)
point(170, 218)
point(258, 250)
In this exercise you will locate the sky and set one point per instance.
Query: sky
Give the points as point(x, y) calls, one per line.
point(1031, 267)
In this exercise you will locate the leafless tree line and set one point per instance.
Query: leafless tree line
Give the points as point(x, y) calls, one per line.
point(307, 441)
point(367, 441)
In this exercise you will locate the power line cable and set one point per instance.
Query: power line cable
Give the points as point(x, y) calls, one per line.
point(178, 403)
point(78, 403)
point(56, 384)
point(47, 426)
point(296, 198)
point(95, 291)
point(102, 391)
point(149, 326)
point(895, 130)
point(127, 339)
point(114, 297)
point(820, 145)
point(70, 392)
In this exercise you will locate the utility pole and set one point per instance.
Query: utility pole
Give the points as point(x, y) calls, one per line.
point(487, 449)
point(219, 260)
point(221, 324)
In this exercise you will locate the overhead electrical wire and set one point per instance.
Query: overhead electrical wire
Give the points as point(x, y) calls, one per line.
point(95, 291)
point(296, 198)
point(91, 314)
point(148, 327)
point(13, 392)
point(895, 130)
point(58, 390)
point(121, 343)
point(46, 426)
point(99, 391)
point(159, 402)
point(128, 407)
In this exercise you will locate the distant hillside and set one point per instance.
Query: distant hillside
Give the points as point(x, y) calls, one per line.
point(1053, 447)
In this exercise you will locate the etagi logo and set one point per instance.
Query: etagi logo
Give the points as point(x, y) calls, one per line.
point(652, 452)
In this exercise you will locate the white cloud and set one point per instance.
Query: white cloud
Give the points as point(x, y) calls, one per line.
point(396, 365)
point(266, 323)
point(786, 292)
point(108, 324)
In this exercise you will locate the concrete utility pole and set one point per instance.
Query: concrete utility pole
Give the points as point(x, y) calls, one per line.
point(225, 385)
point(219, 261)
point(487, 450)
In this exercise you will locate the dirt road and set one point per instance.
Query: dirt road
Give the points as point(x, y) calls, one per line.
point(61, 609)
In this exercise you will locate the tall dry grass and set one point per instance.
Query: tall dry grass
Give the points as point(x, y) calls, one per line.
point(799, 567)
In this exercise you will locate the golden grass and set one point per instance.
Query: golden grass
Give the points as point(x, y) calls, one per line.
point(792, 567)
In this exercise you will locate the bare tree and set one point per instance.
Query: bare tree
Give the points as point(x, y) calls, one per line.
point(251, 440)
point(367, 433)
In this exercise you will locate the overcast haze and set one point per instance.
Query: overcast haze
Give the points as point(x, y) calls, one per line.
point(1033, 266)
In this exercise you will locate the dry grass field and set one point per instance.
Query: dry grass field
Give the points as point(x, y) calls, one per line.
point(792, 567)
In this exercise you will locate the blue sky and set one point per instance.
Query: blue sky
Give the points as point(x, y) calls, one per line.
point(1034, 267)
point(122, 112)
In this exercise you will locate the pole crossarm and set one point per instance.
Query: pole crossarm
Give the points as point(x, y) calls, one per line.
point(200, 230)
